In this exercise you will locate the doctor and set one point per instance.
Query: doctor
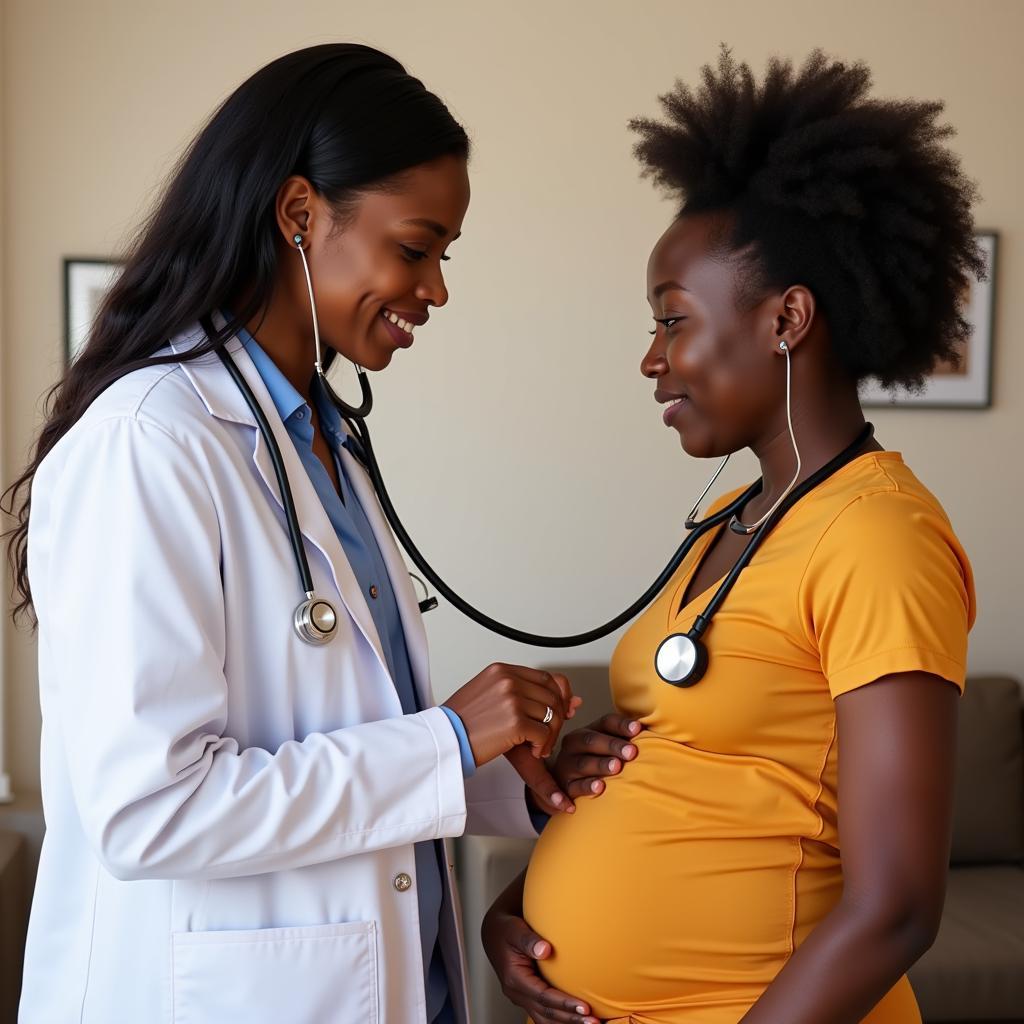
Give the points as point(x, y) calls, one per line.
point(243, 826)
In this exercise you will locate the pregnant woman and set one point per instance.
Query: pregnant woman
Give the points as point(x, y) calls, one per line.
point(777, 851)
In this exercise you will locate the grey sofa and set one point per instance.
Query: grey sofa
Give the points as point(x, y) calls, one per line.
point(975, 970)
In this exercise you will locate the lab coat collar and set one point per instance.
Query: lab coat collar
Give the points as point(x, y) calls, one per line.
point(282, 392)
point(224, 400)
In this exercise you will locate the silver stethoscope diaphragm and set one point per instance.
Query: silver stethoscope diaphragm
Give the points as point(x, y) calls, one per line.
point(681, 660)
point(315, 620)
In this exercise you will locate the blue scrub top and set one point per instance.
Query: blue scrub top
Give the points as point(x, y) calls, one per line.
point(354, 532)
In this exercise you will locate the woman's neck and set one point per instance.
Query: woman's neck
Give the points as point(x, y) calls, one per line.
point(821, 434)
point(288, 340)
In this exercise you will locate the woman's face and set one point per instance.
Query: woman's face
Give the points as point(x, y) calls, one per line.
point(383, 262)
point(718, 359)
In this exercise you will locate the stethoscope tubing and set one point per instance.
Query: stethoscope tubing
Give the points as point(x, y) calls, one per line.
point(294, 531)
point(696, 531)
point(355, 418)
point(359, 428)
point(759, 536)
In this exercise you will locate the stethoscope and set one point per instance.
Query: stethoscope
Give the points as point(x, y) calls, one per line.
point(681, 659)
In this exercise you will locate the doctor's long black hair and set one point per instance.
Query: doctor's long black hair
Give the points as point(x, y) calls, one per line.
point(347, 117)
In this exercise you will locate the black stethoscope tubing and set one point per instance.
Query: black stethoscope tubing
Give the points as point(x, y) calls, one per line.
point(356, 420)
point(511, 632)
point(697, 530)
point(287, 501)
point(690, 642)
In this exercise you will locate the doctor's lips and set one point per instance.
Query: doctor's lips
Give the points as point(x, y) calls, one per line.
point(400, 324)
point(674, 402)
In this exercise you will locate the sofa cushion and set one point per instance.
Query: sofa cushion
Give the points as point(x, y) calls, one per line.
point(988, 812)
point(975, 969)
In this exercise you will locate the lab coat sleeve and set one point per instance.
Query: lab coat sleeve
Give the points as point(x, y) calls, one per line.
point(133, 613)
point(496, 802)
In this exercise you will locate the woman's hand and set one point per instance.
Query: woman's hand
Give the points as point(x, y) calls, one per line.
point(513, 949)
point(590, 755)
point(505, 706)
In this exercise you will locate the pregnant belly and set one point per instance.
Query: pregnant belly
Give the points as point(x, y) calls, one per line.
point(664, 891)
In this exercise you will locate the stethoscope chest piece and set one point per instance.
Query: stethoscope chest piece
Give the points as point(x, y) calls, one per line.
point(316, 621)
point(681, 660)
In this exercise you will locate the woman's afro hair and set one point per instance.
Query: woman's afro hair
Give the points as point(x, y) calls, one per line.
point(859, 199)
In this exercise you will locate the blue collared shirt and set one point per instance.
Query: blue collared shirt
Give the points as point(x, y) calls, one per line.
point(363, 553)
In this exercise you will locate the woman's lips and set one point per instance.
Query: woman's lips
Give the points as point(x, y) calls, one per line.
point(673, 408)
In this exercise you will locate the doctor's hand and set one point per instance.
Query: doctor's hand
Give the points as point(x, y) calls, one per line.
point(505, 706)
point(514, 949)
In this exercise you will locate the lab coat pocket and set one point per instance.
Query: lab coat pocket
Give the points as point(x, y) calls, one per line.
point(324, 974)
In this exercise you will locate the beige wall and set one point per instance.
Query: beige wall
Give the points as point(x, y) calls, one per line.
point(4, 773)
point(518, 437)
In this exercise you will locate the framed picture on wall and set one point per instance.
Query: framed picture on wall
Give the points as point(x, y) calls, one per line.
point(86, 282)
point(969, 385)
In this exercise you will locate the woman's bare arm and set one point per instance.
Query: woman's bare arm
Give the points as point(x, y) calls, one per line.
point(897, 742)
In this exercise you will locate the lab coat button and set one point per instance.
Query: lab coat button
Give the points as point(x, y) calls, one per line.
point(403, 882)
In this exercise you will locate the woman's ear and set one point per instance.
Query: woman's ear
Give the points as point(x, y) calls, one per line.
point(794, 316)
point(294, 208)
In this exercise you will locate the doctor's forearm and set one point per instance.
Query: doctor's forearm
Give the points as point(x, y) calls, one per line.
point(845, 966)
point(232, 813)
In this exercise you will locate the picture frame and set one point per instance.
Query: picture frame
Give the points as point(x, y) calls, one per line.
point(970, 385)
point(86, 283)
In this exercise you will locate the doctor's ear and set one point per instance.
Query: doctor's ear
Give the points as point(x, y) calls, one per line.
point(793, 316)
point(297, 209)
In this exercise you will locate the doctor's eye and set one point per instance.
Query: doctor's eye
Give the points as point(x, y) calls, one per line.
point(415, 255)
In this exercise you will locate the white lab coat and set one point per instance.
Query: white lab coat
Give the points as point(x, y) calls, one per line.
point(228, 809)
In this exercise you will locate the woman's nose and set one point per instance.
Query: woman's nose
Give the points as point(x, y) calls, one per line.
point(654, 363)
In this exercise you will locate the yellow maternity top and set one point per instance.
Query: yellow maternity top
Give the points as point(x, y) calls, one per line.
point(716, 852)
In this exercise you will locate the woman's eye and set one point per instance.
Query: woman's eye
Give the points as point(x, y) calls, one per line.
point(667, 322)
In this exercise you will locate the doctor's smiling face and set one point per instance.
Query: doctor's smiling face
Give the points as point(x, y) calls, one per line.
point(375, 259)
